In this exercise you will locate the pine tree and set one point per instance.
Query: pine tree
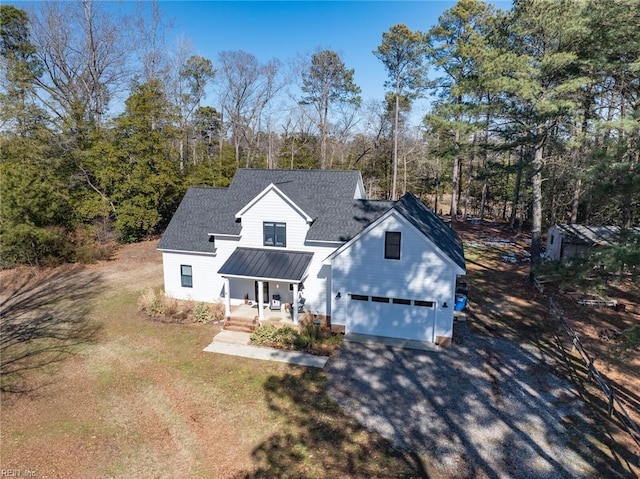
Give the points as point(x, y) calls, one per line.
point(403, 54)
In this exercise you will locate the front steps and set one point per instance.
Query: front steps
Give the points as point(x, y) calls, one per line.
point(241, 325)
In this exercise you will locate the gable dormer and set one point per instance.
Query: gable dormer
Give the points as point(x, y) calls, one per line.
point(272, 219)
point(269, 197)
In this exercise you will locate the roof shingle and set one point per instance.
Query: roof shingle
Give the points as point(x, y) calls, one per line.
point(326, 195)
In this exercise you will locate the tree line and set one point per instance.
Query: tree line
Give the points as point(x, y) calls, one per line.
point(534, 118)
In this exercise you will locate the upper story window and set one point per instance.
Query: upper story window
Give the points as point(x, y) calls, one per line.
point(275, 234)
point(392, 245)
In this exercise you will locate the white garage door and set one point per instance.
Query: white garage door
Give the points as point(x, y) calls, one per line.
point(391, 317)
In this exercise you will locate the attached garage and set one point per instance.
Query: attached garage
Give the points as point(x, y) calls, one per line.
point(391, 317)
point(397, 277)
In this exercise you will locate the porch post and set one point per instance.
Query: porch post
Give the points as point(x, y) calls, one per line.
point(260, 300)
point(227, 299)
point(295, 303)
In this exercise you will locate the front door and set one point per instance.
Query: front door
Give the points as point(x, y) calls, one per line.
point(265, 290)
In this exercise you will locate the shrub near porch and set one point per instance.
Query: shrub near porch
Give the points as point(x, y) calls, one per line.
point(306, 337)
point(160, 307)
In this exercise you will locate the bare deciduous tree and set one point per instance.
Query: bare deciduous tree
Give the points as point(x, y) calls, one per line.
point(84, 55)
point(246, 87)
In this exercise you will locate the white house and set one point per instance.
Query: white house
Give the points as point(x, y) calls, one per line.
point(312, 238)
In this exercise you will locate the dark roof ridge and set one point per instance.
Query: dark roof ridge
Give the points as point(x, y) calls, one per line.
point(430, 224)
point(300, 169)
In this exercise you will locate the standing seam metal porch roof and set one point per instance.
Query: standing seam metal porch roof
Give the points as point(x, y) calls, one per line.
point(267, 264)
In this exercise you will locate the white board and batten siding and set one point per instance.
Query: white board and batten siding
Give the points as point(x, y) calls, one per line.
point(273, 207)
point(423, 273)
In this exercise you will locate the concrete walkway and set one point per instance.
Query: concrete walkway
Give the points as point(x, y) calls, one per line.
point(235, 343)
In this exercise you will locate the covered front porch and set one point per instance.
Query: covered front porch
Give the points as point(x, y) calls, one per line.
point(271, 277)
point(251, 311)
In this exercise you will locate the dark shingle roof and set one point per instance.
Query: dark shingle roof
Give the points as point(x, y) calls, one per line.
point(431, 226)
point(192, 222)
point(204, 211)
point(325, 195)
point(267, 264)
point(307, 188)
point(341, 221)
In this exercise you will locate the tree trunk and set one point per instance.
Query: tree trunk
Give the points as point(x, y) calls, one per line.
point(323, 132)
point(536, 200)
point(236, 145)
point(483, 199)
point(523, 203)
point(404, 179)
point(181, 148)
point(505, 187)
point(467, 189)
point(485, 159)
point(455, 180)
point(577, 191)
point(395, 145)
point(516, 189)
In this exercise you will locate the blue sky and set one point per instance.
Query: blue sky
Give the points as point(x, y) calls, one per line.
point(283, 29)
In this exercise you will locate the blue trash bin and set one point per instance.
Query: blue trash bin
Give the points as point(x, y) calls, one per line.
point(461, 302)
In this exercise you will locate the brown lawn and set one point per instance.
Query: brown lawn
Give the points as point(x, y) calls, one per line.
point(136, 398)
point(123, 396)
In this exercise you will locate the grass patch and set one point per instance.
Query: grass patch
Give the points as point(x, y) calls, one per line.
point(144, 400)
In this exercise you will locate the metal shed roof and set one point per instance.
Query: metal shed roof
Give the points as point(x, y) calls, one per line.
point(267, 264)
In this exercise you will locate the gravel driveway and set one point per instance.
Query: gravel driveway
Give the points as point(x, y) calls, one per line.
point(484, 407)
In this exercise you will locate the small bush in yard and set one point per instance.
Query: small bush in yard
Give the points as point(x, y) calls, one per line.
point(217, 311)
point(268, 334)
point(171, 305)
point(629, 340)
point(202, 314)
point(308, 337)
point(151, 302)
point(286, 335)
point(264, 334)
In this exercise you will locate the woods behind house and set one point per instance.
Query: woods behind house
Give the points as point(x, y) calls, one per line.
point(534, 118)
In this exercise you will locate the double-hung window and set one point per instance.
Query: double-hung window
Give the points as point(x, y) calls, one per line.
point(275, 234)
point(186, 276)
point(392, 245)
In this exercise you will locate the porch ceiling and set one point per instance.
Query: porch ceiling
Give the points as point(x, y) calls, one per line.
point(267, 264)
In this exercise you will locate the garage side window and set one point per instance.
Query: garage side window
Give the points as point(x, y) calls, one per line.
point(186, 276)
point(392, 245)
point(359, 297)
